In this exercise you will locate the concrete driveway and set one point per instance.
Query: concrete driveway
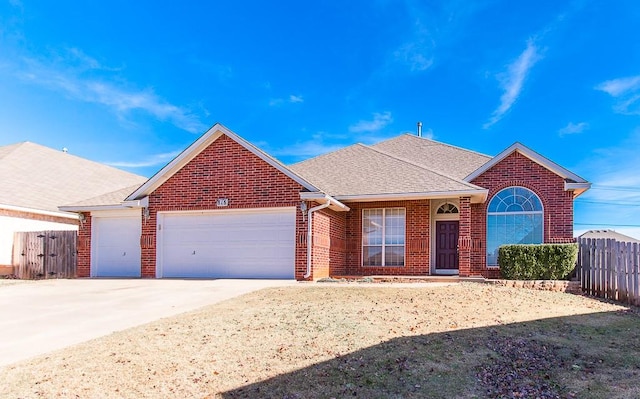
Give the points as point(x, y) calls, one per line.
point(42, 316)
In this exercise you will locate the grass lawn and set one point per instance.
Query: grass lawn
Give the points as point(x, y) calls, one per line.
point(357, 340)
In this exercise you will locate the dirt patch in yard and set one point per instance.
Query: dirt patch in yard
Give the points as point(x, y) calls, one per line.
point(337, 340)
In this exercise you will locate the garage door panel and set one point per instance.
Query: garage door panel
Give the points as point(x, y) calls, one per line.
point(117, 252)
point(252, 244)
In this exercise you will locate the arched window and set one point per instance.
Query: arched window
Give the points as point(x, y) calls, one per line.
point(447, 208)
point(514, 216)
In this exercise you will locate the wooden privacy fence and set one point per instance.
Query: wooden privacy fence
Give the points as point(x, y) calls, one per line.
point(610, 269)
point(44, 254)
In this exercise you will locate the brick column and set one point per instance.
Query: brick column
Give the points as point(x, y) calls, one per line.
point(83, 265)
point(148, 244)
point(464, 238)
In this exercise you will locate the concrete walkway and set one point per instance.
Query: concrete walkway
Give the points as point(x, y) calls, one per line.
point(41, 316)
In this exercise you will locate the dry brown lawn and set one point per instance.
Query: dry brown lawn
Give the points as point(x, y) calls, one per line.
point(357, 340)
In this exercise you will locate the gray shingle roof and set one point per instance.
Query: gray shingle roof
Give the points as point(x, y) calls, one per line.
point(111, 198)
point(608, 234)
point(38, 177)
point(449, 160)
point(363, 170)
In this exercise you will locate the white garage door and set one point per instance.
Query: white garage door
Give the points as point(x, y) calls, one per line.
point(258, 243)
point(116, 245)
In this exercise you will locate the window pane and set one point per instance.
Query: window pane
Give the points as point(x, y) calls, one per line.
point(519, 228)
point(394, 256)
point(372, 256)
point(372, 227)
point(394, 226)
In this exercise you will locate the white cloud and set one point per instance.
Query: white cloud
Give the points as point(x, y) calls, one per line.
point(428, 134)
point(626, 91)
point(319, 143)
point(415, 55)
point(621, 86)
point(295, 99)
point(151, 160)
point(573, 128)
point(66, 73)
point(292, 99)
point(513, 80)
point(379, 121)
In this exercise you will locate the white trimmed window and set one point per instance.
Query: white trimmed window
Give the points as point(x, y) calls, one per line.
point(383, 232)
point(514, 216)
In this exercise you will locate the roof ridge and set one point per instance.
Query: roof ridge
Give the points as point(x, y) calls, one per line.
point(439, 143)
point(26, 145)
point(421, 166)
point(326, 153)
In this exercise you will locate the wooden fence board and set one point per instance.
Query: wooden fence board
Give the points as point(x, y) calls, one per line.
point(45, 254)
point(610, 269)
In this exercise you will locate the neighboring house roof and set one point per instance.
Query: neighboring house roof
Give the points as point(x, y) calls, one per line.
point(198, 146)
point(450, 160)
point(111, 199)
point(608, 234)
point(360, 172)
point(572, 181)
point(42, 179)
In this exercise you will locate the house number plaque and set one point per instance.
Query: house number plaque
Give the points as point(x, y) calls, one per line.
point(222, 202)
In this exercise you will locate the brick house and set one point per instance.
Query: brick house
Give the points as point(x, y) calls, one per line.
point(406, 206)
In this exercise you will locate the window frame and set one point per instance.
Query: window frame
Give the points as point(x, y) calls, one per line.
point(383, 245)
point(512, 213)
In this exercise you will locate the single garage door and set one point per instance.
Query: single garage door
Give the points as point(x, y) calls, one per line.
point(116, 244)
point(256, 243)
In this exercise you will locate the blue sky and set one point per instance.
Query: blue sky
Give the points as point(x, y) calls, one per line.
point(132, 84)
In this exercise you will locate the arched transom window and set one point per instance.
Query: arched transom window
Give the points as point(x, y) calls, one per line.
point(514, 216)
point(447, 208)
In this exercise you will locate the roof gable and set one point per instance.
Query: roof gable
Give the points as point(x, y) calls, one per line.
point(532, 155)
point(186, 156)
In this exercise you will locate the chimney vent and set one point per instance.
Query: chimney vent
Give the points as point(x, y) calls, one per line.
point(419, 129)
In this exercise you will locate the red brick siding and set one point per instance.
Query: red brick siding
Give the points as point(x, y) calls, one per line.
point(320, 253)
point(416, 239)
point(518, 170)
point(328, 254)
point(224, 169)
point(84, 247)
point(38, 216)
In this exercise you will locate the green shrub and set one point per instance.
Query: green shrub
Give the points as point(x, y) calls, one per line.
point(537, 261)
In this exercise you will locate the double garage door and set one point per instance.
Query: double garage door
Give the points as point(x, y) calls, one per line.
point(258, 243)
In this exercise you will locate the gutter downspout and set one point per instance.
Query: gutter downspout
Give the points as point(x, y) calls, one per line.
point(310, 235)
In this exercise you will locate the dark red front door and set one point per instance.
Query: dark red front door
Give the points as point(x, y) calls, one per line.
point(447, 245)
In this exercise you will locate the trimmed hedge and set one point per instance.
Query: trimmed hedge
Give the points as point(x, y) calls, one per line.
point(537, 261)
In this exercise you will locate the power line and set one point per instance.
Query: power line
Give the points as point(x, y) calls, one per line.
point(606, 224)
point(616, 188)
point(608, 202)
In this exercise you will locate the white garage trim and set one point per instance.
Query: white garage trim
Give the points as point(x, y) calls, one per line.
point(115, 243)
point(230, 243)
